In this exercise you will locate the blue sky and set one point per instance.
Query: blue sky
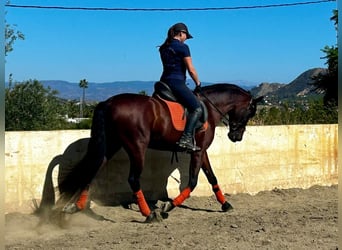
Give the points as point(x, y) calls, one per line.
point(254, 45)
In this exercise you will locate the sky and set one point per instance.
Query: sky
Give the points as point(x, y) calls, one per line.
point(251, 45)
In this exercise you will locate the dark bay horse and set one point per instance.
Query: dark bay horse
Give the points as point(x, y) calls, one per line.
point(136, 122)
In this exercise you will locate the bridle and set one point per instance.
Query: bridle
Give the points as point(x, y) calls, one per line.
point(225, 118)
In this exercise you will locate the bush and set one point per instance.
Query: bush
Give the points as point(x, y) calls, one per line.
point(315, 112)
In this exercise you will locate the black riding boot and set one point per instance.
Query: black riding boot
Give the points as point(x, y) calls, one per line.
point(187, 140)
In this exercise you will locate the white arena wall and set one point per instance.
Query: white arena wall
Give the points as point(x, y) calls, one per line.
point(268, 157)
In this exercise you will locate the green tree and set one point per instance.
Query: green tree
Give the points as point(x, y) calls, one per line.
point(142, 92)
point(72, 108)
point(313, 112)
point(30, 106)
point(11, 35)
point(83, 84)
point(328, 81)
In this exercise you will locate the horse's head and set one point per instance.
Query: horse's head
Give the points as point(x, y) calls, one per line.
point(239, 117)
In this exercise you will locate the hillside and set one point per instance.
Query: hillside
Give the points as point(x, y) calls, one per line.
point(266, 88)
point(298, 88)
point(274, 92)
point(98, 91)
point(102, 91)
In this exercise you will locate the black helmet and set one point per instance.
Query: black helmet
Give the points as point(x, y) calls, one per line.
point(182, 27)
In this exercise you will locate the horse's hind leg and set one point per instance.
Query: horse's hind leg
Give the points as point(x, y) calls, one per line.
point(80, 200)
point(209, 173)
point(137, 158)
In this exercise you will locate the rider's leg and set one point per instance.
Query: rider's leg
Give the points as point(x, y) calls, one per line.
point(186, 140)
point(187, 98)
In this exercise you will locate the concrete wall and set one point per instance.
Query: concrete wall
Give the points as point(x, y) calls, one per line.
point(268, 157)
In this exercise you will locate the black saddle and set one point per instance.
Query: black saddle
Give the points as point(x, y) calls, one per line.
point(162, 90)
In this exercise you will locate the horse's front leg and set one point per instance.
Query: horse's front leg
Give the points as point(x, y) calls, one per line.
point(195, 165)
point(209, 173)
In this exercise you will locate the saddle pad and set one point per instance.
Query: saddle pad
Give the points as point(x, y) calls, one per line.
point(178, 116)
point(177, 113)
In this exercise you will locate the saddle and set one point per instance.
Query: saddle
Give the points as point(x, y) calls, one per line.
point(177, 111)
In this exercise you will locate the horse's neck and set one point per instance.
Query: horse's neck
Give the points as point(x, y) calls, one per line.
point(221, 108)
point(223, 98)
point(219, 111)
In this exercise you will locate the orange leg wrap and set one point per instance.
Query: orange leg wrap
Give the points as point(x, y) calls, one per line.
point(144, 208)
point(82, 201)
point(218, 193)
point(181, 197)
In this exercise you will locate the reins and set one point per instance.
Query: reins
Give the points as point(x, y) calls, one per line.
point(225, 119)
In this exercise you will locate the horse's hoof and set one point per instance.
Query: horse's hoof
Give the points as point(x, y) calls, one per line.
point(167, 207)
point(154, 217)
point(226, 207)
point(70, 208)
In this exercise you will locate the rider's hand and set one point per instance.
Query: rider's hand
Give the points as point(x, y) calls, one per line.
point(198, 89)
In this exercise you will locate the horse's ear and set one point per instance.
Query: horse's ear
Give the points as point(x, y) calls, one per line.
point(259, 99)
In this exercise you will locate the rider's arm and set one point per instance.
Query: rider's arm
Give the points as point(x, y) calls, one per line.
point(191, 69)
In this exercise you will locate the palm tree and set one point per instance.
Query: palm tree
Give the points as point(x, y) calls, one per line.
point(83, 84)
point(335, 18)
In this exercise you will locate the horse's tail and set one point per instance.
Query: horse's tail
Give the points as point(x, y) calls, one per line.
point(48, 196)
point(82, 174)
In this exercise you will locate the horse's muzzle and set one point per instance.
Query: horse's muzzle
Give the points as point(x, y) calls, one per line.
point(235, 136)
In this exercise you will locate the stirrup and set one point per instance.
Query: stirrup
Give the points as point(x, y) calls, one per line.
point(186, 143)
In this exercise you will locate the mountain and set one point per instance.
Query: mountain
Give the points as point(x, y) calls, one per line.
point(274, 92)
point(266, 88)
point(299, 87)
point(302, 85)
point(97, 91)
point(102, 91)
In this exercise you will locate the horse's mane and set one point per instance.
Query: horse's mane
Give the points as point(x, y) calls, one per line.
point(224, 87)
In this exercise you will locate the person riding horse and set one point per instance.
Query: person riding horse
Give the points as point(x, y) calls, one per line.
point(137, 122)
point(176, 59)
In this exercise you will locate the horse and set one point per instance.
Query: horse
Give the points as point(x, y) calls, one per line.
point(137, 122)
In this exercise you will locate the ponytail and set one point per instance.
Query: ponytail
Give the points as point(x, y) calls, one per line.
point(171, 33)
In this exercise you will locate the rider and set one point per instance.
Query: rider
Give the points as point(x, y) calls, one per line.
point(176, 59)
